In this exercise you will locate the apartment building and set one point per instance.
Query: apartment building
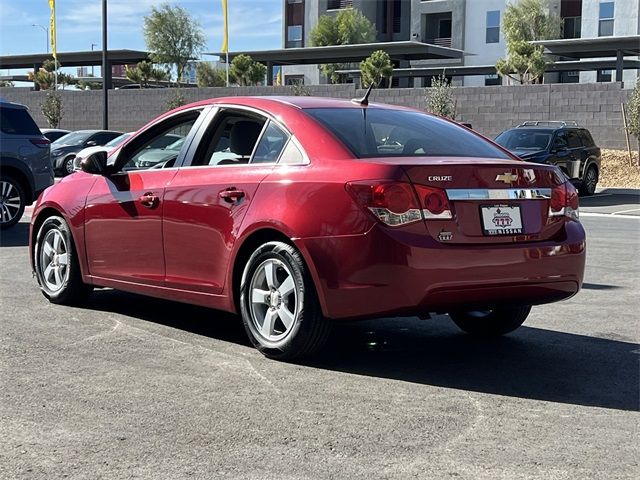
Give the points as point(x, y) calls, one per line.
point(473, 26)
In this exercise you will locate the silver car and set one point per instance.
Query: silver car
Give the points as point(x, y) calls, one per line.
point(25, 166)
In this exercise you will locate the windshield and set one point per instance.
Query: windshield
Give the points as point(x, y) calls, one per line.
point(524, 139)
point(73, 138)
point(175, 145)
point(378, 132)
point(118, 140)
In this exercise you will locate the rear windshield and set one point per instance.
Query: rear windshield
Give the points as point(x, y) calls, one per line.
point(17, 121)
point(378, 132)
point(525, 139)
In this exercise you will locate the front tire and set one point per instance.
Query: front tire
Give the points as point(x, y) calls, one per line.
point(12, 201)
point(279, 305)
point(491, 323)
point(589, 182)
point(56, 264)
point(67, 165)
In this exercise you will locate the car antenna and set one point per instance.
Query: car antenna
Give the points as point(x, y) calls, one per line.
point(364, 101)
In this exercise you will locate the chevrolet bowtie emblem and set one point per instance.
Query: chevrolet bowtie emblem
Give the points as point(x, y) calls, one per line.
point(507, 177)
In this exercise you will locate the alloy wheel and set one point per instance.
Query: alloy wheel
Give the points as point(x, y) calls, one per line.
point(68, 165)
point(274, 298)
point(10, 201)
point(54, 260)
point(591, 180)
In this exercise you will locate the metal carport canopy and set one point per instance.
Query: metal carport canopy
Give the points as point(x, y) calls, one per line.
point(74, 59)
point(600, 47)
point(405, 50)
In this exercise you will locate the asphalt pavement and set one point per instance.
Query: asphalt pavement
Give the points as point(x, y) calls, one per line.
point(134, 387)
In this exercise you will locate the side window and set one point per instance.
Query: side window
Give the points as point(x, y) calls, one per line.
point(291, 155)
point(560, 141)
point(587, 141)
point(229, 140)
point(574, 139)
point(100, 138)
point(270, 145)
point(160, 145)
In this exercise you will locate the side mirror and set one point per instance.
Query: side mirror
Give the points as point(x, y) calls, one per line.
point(95, 164)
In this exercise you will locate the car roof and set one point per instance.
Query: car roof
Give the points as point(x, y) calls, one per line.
point(7, 104)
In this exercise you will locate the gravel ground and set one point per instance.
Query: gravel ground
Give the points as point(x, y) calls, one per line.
point(616, 170)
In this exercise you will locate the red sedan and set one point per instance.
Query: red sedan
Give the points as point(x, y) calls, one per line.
point(298, 211)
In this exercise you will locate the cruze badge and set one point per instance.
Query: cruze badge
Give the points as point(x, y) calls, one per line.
point(441, 178)
point(507, 177)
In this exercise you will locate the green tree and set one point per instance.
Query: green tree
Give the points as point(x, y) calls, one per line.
point(6, 83)
point(133, 74)
point(633, 114)
point(89, 85)
point(440, 98)
point(52, 109)
point(245, 71)
point(523, 22)
point(159, 75)
point(209, 76)
point(375, 68)
point(348, 27)
point(173, 36)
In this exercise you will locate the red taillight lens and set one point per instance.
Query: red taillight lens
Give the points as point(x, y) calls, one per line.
point(40, 142)
point(435, 202)
point(393, 203)
point(564, 201)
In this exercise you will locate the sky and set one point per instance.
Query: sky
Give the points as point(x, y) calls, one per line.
point(253, 24)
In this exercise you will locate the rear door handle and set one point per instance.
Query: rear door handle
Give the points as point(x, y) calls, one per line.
point(231, 195)
point(149, 200)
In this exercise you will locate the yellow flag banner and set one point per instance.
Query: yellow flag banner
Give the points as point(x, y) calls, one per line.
point(225, 39)
point(52, 29)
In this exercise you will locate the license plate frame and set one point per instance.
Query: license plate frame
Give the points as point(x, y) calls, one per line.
point(501, 220)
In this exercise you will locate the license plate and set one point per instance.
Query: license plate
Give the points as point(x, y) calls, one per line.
point(501, 220)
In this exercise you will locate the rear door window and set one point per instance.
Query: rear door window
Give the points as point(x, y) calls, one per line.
point(586, 138)
point(17, 121)
point(573, 139)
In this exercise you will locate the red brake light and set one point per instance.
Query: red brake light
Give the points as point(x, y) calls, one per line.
point(435, 201)
point(40, 142)
point(564, 201)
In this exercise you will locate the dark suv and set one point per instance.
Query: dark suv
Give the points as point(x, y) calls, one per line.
point(25, 166)
point(564, 144)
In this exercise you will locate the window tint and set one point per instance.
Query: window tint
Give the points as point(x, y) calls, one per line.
point(524, 139)
point(103, 137)
point(561, 140)
point(377, 132)
point(587, 141)
point(229, 140)
point(574, 139)
point(74, 138)
point(17, 121)
point(270, 145)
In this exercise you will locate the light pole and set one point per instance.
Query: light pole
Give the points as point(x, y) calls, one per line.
point(46, 31)
point(106, 69)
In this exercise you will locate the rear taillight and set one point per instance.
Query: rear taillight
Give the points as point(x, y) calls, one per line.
point(564, 201)
point(40, 142)
point(397, 203)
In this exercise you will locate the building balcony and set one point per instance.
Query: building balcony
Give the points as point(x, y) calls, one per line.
point(441, 41)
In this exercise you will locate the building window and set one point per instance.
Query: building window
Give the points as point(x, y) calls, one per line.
point(493, 79)
point(294, 33)
point(571, 27)
point(339, 4)
point(605, 25)
point(493, 26)
point(604, 76)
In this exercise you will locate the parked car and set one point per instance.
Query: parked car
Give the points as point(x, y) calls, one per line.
point(54, 134)
point(155, 156)
point(64, 150)
point(563, 144)
point(306, 219)
point(25, 169)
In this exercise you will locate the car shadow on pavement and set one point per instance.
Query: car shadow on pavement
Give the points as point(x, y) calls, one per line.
point(16, 236)
point(530, 363)
point(604, 199)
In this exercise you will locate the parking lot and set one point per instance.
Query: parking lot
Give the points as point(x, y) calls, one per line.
point(133, 387)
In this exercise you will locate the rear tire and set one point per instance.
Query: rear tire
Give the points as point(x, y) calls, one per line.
point(589, 182)
point(56, 264)
point(491, 323)
point(279, 305)
point(12, 201)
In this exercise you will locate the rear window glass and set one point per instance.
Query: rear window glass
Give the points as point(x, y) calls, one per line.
point(17, 121)
point(586, 138)
point(378, 132)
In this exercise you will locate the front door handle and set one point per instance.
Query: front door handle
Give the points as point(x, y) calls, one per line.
point(149, 200)
point(231, 195)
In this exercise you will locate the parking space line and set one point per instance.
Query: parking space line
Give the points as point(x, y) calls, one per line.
point(626, 211)
point(610, 215)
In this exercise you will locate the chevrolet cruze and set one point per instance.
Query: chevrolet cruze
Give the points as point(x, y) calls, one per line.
point(296, 212)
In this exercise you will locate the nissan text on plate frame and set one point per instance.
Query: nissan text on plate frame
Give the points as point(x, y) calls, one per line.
point(299, 212)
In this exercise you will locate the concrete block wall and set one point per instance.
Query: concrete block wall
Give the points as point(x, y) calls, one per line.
point(490, 109)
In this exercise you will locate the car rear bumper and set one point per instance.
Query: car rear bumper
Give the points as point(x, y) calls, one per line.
point(385, 272)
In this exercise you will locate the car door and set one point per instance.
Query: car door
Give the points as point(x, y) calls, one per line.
point(560, 154)
point(123, 213)
point(208, 198)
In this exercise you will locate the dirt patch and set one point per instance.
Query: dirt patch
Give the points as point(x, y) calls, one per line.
point(616, 170)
